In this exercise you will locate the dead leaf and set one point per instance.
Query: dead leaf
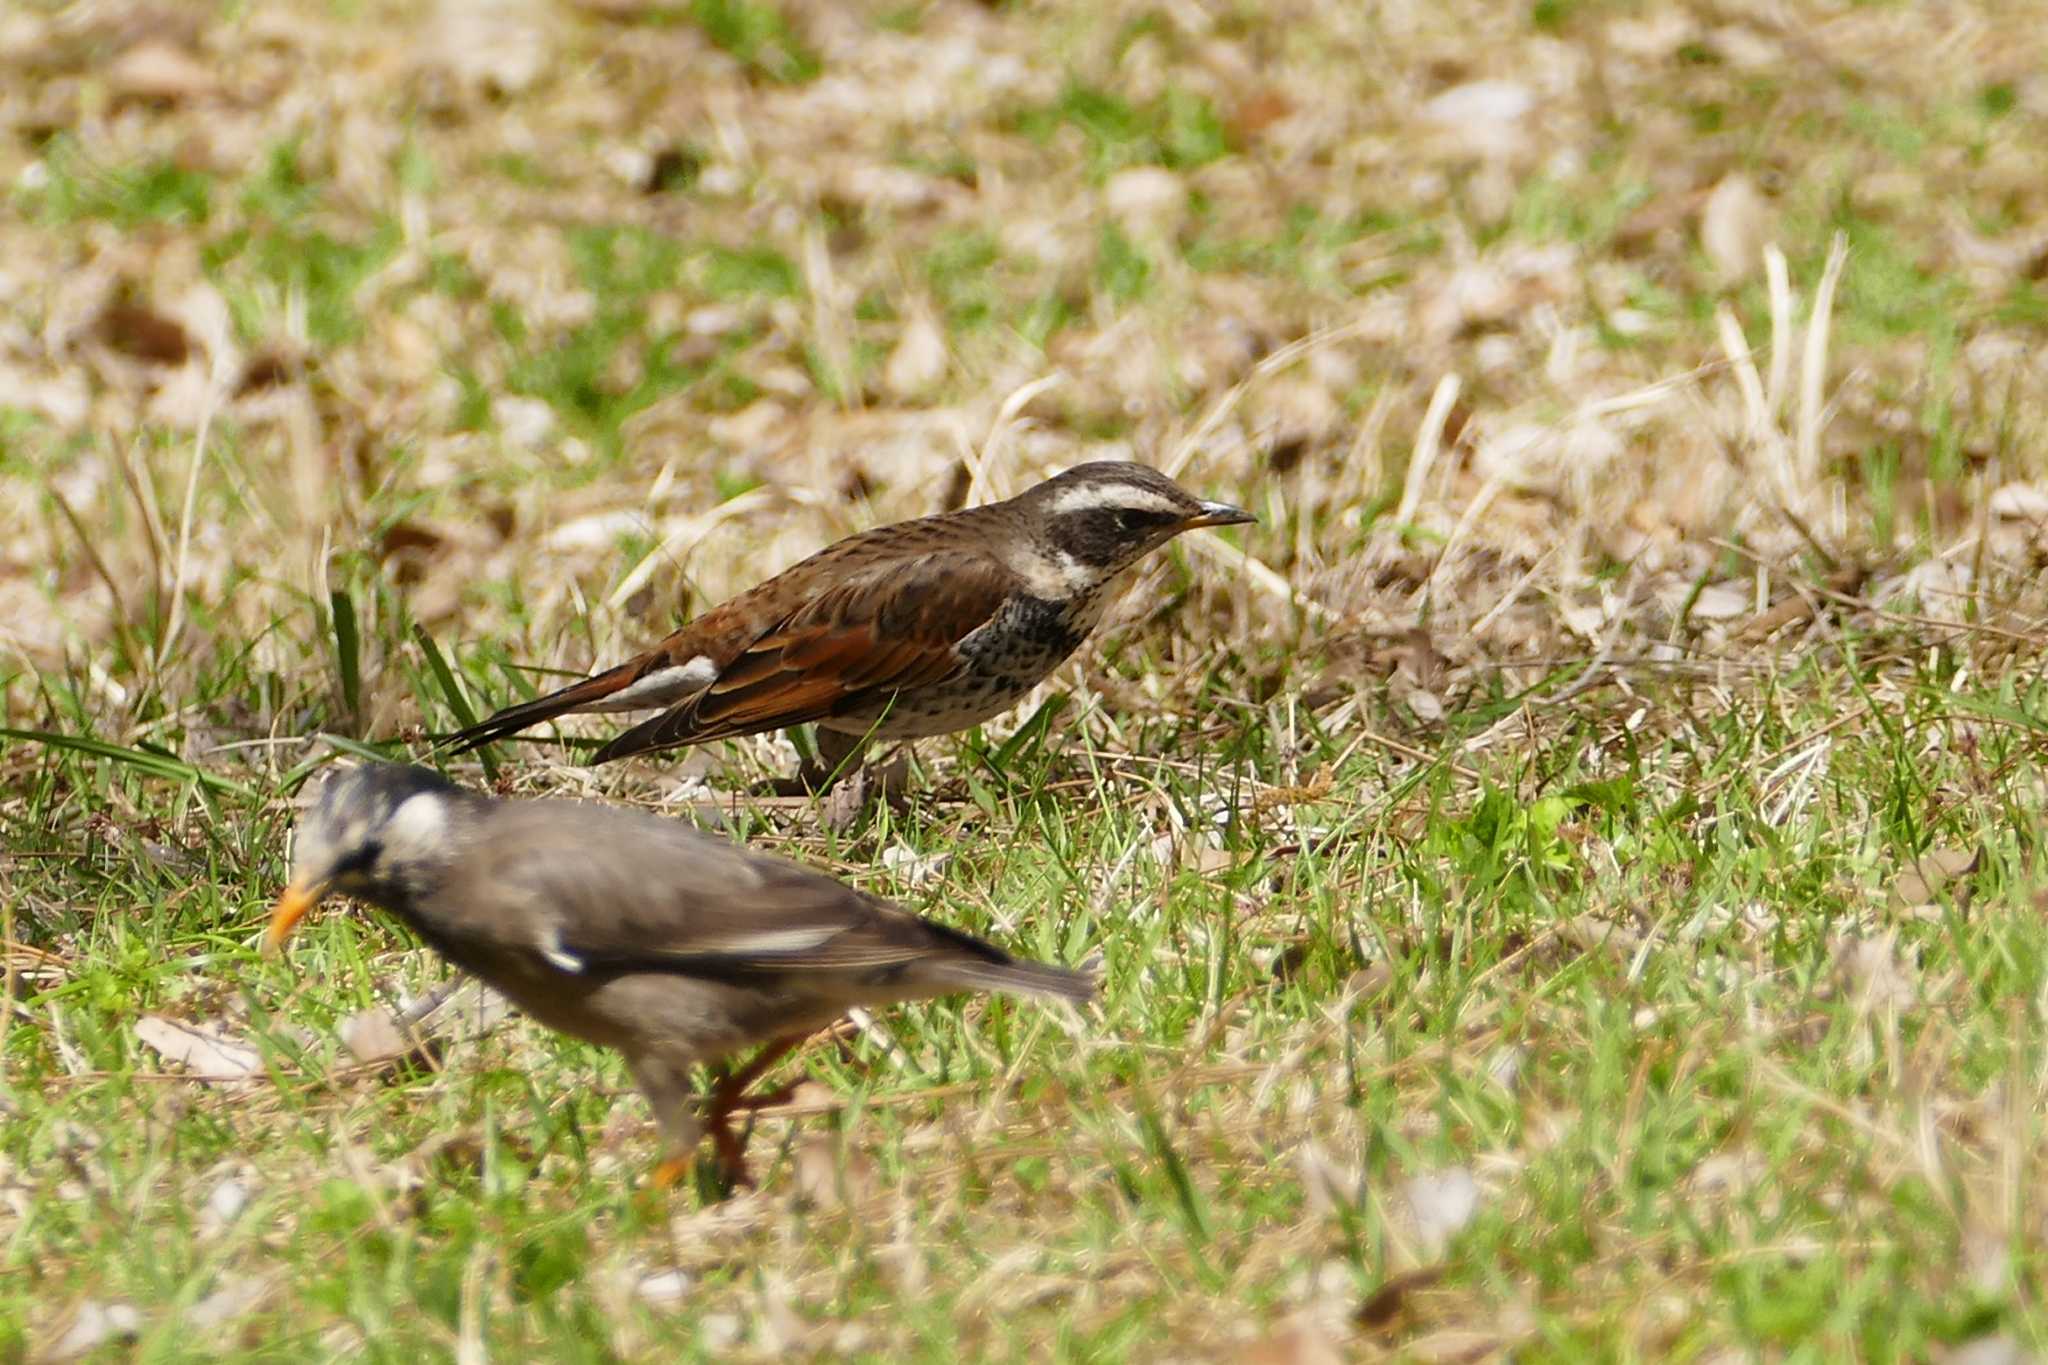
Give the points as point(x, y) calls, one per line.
point(207, 1053)
point(1288, 962)
point(1800, 606)
point(1326, 1185)
point(2021, 502)
point(1733, 225)
point(1443, 1203)
point(1369, 980)
point(1258, 112)
point(373, 1036)
point(265, 370)
point(1998, 1349)
point(1146, 200)
point(1302, 1343)
point(157, 72)
point(494, 48)
point(663, 1288)
point(1873, 975)
point(1388, 1301)
point(1921, 880)
point(1427, 706)
point(1722, 601)
point(234, 1298)
point(141, 332)
point(913, 868)
point(93, 1325)
point(1481, 102)
point(918, 361)
point(224, 1204)
point(830, 1175)
point(781, 1330)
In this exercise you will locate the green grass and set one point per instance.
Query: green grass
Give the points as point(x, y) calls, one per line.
point(1651, 1000)
point(1436, 847)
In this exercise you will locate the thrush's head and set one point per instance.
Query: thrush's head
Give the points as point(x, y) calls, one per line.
point(1096, 520)
point(380, 832)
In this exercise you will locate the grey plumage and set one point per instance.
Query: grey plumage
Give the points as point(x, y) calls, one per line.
point(631, 931)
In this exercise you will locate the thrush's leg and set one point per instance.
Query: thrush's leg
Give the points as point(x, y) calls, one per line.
point(838, 755)
point(671, 1097)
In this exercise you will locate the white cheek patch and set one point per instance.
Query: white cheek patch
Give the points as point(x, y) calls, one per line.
point(664, 686)
point(416, 829)
point(1053, 575)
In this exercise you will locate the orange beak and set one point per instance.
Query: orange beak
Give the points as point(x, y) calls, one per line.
point(291, 907)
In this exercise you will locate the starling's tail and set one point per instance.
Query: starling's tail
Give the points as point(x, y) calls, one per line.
point(1018, 977)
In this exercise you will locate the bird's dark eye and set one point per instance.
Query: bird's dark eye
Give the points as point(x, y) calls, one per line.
point(361, 858)
point(1129, 520)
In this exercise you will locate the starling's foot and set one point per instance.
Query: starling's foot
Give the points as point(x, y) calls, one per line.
point(731, 1093)
point(732, 1155)
point(766, 1099)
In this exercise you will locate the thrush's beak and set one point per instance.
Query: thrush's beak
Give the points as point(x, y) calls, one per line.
point(1218, 514)
point(302, 895)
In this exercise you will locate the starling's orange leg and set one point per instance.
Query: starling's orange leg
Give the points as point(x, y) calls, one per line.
point(730, 1094)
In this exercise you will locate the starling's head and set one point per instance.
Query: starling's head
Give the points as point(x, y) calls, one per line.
point(378, 831)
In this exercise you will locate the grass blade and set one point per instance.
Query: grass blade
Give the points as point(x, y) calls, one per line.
point(347, 650)
point(451, 692)
point(151, 761)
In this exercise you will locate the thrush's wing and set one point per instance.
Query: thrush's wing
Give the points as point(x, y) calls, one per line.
point(598, 890)
point(599, 692)
point(893, 626)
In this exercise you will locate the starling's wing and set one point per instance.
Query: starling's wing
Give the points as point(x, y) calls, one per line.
point(597, 890)
point(867, 634)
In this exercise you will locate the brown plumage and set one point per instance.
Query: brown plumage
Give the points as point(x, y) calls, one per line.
point(631, 931)
point(914, 629)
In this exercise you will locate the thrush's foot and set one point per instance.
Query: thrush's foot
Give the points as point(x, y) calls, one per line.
point(843, 807)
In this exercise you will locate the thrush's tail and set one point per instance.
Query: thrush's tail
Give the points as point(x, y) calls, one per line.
point(575, 697)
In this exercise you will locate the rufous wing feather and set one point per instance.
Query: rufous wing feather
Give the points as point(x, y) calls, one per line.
point(845, 652)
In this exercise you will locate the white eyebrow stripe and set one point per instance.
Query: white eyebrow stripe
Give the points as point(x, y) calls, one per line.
point(1087, 496)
